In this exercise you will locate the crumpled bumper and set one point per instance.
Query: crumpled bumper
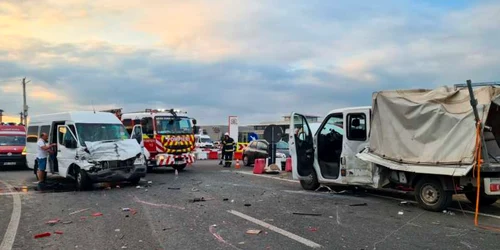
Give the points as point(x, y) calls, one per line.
point(118, 174)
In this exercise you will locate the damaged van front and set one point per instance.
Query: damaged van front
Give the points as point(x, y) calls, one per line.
point(93, 152)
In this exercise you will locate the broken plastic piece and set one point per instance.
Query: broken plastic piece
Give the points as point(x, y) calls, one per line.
point(125, 209)
point(47, 234)
point(150, 182)
point(199, 199)
point(52, 222)
point(225, 199)
point(96, 214)
point(138, 187)
point(401, 213)
point(247, 204)
point(174, 188)
point(58, 232)
point(117, 230)
point(67, 222)
point(358, 205)
point(313, 229)
point(79, 211)
point(253, 231)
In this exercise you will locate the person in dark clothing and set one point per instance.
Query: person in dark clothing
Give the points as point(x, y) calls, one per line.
point(228, 147)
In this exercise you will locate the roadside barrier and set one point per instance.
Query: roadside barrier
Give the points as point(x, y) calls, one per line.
point(259, 166)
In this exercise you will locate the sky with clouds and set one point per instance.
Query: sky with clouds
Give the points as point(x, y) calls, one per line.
point(254, 59)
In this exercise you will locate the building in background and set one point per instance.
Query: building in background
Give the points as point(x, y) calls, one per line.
point(217, 131)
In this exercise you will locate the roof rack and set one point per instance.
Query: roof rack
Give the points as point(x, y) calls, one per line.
point(477, 84)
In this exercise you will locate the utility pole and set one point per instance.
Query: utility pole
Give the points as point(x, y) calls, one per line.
point(21, 118)
point(25, 107)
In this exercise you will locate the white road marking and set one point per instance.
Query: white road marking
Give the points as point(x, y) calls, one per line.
point(10, 233)
point(276, 229)
point(265, 176)
point(12, 193)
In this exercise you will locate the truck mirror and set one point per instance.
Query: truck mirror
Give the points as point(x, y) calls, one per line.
point(196, 129)
point(194, 121)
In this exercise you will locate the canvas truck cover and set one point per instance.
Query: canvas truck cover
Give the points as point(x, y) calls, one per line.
point(427, 127)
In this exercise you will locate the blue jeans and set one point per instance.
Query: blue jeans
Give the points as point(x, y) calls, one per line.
point(42, 164)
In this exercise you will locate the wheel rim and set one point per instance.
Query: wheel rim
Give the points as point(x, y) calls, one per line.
point(245, 160)
point(429, 194)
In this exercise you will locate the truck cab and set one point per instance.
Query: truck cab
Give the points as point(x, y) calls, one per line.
point(329, 155)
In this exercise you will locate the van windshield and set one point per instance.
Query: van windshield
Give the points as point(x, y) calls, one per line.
point(12, 140)
point(100, 132)
point(170, 125)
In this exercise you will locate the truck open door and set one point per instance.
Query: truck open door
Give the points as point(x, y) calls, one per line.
point(301, 147)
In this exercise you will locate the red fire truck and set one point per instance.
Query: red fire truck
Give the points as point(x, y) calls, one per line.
point(168, 135)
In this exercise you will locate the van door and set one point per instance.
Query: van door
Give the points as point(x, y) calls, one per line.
point(301, 147)
point(356, 134)
point(137, 134)
point(66, 149)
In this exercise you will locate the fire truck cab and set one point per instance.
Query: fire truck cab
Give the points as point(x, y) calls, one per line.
point(168, 136)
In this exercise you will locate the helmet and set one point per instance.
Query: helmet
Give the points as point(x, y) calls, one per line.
point(226, 133)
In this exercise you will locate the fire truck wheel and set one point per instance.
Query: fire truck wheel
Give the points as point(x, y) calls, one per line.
point(180, 167)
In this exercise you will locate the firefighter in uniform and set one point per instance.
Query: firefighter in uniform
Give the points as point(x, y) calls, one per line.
point(227, 150)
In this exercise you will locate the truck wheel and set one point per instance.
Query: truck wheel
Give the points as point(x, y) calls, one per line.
point(83, 182)
point(312, 183)
point(180, 167)
point(246, 161)
point(484, 199)
point(431, 195)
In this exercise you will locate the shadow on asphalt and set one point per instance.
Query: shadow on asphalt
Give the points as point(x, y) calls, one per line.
point(14, 168)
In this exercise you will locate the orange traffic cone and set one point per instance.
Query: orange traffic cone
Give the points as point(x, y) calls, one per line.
point(237, 164)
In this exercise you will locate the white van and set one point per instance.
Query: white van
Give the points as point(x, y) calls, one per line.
point(203, 141)
point(91, 147)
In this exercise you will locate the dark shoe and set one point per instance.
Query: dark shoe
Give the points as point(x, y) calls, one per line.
point(220, 163)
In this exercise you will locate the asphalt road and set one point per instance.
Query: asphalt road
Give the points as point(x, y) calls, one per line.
point(164, 216)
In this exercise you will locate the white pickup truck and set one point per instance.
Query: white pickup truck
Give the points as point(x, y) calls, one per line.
point(418, 140)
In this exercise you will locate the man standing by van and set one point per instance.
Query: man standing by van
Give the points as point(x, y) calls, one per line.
point(42, 153)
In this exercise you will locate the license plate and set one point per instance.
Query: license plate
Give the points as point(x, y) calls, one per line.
point(9, 163)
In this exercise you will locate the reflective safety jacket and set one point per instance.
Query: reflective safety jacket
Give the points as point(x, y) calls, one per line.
point(228, 145)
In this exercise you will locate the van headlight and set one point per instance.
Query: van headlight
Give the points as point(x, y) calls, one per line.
point(139, 161)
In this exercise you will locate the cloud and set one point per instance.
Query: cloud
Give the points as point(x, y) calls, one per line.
point(258, 60)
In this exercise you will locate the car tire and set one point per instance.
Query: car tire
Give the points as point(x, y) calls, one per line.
point(312, 183)
point(246, 160)
point(484, 199)
point(83, 182)
point(180, 167)
point(430, 194)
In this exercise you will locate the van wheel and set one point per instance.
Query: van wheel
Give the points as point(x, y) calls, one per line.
point(149, 167)
point(430, 194)
point(246, 161)
point(484, 199)
point(83, 182)
point(180, 167)
point(35, 171)
point(312, 183)
point(135, 181)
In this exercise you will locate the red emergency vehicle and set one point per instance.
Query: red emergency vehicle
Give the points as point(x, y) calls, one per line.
point(168, 136)
point(12, 145)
